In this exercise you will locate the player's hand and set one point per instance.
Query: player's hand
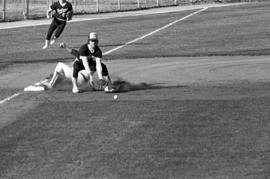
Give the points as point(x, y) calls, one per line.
point(69, 15)
point(91, 82)
point(50, 14)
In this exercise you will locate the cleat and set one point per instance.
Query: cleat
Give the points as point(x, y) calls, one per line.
point(52, 42)
point(75, 90)
point(45, 46)
point(45, 83)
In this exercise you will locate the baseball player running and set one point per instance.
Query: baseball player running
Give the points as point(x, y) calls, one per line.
point(62, 12)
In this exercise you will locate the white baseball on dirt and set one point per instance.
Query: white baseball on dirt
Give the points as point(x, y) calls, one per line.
point(115, 97)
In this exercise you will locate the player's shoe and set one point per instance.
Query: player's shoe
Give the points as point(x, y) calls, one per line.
point(52, 41)
point(75, 90)
point(45, 46)
point(46, 84)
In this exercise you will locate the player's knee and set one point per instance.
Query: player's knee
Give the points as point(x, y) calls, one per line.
point(59, 67)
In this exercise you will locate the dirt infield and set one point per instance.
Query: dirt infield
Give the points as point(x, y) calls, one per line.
point(176, 71)
point(224, 77)
point(206, 118)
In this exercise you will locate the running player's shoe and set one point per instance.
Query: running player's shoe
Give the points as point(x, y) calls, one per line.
point(52, 41)
point(45, 46)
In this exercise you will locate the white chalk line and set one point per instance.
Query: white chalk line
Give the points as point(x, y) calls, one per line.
point(155, 31)
point(130, 42)
point(9, 98)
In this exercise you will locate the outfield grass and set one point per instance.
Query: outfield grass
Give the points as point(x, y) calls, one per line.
point(228, 31)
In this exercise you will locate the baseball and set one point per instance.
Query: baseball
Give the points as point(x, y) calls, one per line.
point(115, 97)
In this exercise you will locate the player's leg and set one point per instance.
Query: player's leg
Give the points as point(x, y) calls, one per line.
point(76, 68)
point(62, 70)
point(83, 78)
point(60, 28)
point(51, 29)
point(99, 68)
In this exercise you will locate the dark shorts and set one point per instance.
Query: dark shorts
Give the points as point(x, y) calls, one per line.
point(78, 66)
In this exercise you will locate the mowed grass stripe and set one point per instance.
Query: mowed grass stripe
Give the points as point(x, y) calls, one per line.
point(137, 139)
point(227, 31)
point(234, 30)
point(112, 33)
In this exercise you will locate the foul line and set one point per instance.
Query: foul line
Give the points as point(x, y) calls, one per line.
point(155, 31)
point(9, 98)
point(130, 42)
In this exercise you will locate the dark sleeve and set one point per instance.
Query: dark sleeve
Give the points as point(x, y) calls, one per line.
point(98, 53)
point(70, 8)
point(75, 53)
point(69, 12)
point(84, 51)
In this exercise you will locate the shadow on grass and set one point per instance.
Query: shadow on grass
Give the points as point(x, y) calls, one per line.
point(119, 86)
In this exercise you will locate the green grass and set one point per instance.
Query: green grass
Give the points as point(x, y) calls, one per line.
point(139, 139)
point(239, 30)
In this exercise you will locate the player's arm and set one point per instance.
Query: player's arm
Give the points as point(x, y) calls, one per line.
point(98, 67)
point(98, 58)
point(48, 13)
point(70, 50)
point(52, 8)
point(69, 13)
point(87, 68)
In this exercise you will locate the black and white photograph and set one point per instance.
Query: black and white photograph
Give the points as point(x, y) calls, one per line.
point(134, 89)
